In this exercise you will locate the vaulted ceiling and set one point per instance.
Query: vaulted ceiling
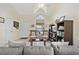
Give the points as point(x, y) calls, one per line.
point(50, 10)
point(29, 8)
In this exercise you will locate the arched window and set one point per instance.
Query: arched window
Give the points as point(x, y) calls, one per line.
point(39, 23)
point(40, 17)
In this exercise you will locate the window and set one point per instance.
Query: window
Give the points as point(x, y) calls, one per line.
point(40, 17)
point(39, 24)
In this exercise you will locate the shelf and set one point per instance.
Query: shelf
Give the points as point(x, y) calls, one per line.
point(61, 30)
point(52, 33)
point(67, 30)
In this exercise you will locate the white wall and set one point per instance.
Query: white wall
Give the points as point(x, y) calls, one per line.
point(24, 27)
point(2, 33)
point(6, 11)
point(76, 26)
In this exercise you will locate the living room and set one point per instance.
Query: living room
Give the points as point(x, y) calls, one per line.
point(39, 28)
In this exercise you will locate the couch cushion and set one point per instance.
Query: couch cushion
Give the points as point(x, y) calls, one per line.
point(31, 50)
point(38, 43)
point(60, 43)
point(48, 44)
point(46, 51)
point(57, 45)
point(28, 43)
point(16, 44)
point(38, 50)
point(10, 51)
point(68, 50)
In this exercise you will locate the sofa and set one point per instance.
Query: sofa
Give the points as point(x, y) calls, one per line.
point(28, 50)
point(11, 51)
point(38, 50)
point(57, 45)
point(68, 50)
point(21, 48)
point(62, 48)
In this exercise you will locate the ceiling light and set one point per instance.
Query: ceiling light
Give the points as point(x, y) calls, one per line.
point(41, 5)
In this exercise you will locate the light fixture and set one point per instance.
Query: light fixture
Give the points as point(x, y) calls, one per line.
point(42, 7)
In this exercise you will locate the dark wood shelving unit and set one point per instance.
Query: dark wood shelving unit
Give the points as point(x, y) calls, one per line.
point(68, 30)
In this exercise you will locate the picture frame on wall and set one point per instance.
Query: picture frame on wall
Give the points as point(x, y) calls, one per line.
point(16, 24)
point(2, 20)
